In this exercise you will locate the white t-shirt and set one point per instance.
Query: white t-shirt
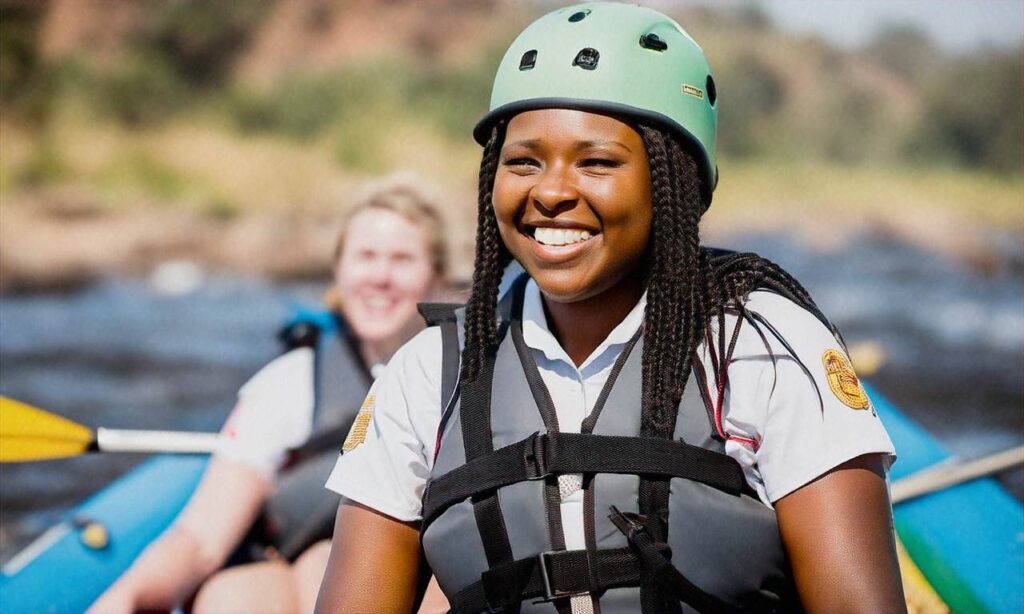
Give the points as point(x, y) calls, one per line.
point(794, 434)
point(274, 413)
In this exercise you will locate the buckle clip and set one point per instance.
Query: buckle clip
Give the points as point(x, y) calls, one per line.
point(628, 523)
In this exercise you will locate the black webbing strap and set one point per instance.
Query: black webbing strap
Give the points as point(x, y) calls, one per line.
point(475, 413)
point(546, 407)
point(544, 454)
point(478, 442)
point(551, 575)
point(660, 569)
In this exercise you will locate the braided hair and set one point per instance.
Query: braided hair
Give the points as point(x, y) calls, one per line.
point(688, 286)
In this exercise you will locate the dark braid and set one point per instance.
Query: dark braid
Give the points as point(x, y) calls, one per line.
point(688, 285)
point(488, 266)
point(674, 312)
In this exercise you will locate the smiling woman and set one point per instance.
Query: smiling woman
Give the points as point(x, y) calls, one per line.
point(261, 502)
point(390, 256)
point(641, 423)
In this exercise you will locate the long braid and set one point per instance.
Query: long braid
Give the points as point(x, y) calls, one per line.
point(669, 317)
point(488, 266)
point(688, 285)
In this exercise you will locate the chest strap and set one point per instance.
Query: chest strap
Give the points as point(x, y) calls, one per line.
point(548, 576)
point(544, 454)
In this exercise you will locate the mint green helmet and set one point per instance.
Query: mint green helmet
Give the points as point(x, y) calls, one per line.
point(615, 58)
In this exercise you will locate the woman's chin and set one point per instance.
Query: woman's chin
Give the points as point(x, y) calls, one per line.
point(381, 327)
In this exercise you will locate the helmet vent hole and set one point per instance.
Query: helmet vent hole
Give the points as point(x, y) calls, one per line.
point(587, 58)
point(712, 90)
point(579, 16)
point(529, 60)
point(653, 41)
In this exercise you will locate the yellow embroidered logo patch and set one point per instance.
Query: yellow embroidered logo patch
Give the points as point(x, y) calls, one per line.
point(843, 380)
point(357, 434)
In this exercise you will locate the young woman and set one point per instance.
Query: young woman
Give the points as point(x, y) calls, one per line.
point(640, 423)
point(282, 438)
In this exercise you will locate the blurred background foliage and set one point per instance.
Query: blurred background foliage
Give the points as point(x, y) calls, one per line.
point(227, 107)
point(899, 100)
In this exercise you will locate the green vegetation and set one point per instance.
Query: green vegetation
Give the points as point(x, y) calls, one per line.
point(141, 113)
point(142, 173)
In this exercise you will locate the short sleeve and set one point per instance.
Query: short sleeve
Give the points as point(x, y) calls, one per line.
point(386, 466)
point(274, 413)
point(817, 415)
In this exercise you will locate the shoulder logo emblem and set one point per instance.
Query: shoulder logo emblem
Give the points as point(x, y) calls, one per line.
point(357, 434)
point(843, 380)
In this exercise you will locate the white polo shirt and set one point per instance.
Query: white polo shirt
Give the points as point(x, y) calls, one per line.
point(781, 431)
point(274, 413)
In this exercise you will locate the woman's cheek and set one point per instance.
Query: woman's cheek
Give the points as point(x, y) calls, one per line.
point(415, 281)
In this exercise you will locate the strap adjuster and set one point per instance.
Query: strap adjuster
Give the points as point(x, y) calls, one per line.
point(536, 457)
point(550, 594)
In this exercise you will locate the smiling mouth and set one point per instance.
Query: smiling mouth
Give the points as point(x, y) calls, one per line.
point(556, 237)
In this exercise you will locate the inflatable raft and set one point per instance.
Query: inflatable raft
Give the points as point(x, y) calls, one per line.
point(66, 568)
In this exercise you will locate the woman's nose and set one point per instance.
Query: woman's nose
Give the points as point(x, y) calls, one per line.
point(379, 271)
point(555, 190)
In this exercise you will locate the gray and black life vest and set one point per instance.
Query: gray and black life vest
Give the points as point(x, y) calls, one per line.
point(492, 529)
point(301, 511)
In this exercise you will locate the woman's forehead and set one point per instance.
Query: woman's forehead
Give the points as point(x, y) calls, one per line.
point(375, 225)
point(571, 124)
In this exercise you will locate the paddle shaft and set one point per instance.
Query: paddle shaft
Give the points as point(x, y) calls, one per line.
point(943, 476)
point(174, 442)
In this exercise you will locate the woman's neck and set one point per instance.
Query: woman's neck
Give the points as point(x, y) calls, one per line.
point(375, 353)
point(581, 326)
point(379, 351)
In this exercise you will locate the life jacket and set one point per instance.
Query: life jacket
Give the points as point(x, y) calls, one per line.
point(301, 510)
point(491, 527)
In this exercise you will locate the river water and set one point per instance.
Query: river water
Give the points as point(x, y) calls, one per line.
point(125, 354)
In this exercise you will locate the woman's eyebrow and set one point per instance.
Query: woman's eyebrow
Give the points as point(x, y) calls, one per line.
point(532, 144)
point(583, 145)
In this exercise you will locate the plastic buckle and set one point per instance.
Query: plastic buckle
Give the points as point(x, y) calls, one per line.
point(627, 522)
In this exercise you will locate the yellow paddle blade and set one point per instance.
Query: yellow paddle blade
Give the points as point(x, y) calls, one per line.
point(28, 434)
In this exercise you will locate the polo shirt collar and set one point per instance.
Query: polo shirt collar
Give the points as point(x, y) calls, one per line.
point(537, 334)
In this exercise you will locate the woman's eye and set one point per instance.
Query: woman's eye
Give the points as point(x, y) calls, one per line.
point(521, 162)
point(601, 162)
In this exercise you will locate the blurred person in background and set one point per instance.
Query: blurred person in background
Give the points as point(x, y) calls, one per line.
point(261, 507)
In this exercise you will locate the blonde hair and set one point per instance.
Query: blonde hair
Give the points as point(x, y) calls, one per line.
point(409, 197)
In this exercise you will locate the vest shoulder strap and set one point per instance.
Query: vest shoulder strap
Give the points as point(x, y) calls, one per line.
point(445, 316)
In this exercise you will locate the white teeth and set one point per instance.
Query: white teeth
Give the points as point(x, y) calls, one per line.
point(560, 236)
